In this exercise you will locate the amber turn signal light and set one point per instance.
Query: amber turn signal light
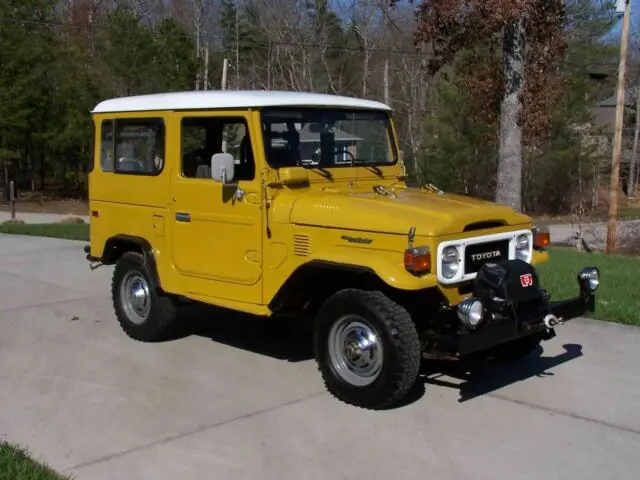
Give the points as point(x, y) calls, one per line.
point(417, 260)
point(541, 239)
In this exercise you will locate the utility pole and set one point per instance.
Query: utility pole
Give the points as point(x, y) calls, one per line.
point(386, 82)
point(617, 147)
point(225, 68)
point(631, 185)
point(237, 65)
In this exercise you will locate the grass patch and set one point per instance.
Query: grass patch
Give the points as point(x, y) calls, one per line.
point(16, 464)
point(617, 299)
point(69, 231)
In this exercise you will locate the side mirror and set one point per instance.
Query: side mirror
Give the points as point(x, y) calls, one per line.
point(222, 168)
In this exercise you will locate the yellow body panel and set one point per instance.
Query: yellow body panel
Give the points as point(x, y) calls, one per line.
point(238, 253)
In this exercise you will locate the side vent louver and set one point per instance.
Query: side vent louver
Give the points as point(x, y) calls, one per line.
point(301, 245)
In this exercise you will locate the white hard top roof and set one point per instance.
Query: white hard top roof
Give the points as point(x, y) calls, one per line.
point(228, 99)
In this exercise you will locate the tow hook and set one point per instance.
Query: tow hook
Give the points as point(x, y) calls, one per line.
point(95, 265)
point(551, 321)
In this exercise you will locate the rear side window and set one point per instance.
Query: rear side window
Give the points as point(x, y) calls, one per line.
point(133, 146)
point(106, 146)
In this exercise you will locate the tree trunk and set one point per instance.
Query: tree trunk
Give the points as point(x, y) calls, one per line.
point(509, 182)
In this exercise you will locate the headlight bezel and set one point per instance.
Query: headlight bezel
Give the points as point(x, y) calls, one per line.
point(523, 253)
point(456, 261)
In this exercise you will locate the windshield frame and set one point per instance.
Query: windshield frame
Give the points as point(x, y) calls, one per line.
point(388, 124)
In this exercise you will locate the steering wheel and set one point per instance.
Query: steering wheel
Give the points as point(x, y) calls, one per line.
point(344, 150)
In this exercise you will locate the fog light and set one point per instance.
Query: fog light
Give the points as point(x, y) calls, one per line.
point(471, 312)
point(589, 279)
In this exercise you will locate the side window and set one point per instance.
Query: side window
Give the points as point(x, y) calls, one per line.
point(206, 136)
point(106, 146)
point(139, 146)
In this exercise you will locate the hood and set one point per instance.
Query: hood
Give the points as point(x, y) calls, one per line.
point(432, 214)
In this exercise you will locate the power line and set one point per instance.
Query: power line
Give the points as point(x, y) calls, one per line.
point(221, 38)
point(248, 43)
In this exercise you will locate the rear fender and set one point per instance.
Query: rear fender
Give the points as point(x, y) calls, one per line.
point(118, 245)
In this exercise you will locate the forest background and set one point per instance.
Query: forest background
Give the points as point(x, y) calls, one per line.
point(444, 66)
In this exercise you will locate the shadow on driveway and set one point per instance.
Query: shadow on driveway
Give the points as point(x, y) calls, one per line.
point(291, 340)
point(280, 338)
point(487, 377)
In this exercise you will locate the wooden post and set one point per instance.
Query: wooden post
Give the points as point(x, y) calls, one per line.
point(12, 199)
point(617, 147)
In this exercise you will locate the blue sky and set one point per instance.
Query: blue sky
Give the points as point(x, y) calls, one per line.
point(634, 30)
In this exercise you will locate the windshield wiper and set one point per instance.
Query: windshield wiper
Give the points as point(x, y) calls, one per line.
point(363, 163)
point(322, 171)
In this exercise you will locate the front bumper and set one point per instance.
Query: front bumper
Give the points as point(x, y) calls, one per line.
point(539, 318)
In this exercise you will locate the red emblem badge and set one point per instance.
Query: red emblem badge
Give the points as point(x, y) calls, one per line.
point(526, 280)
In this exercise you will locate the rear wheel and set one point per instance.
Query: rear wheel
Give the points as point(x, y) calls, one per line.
point(367, 349)
point(142, 312)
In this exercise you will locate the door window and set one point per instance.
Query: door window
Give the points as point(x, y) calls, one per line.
point(202, 137)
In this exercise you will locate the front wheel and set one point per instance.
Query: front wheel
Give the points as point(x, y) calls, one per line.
point(367, 349)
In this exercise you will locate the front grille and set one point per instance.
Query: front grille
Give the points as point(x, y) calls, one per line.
point(477, 255)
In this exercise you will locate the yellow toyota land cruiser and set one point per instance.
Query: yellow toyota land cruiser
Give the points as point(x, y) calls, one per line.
point(287, 203)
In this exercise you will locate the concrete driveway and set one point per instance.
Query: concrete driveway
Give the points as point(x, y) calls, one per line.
point(239, 399)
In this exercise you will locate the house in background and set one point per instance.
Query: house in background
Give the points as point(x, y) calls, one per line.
point(599, 134)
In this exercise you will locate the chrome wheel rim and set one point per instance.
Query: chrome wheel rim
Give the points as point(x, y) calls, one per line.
point(355, 350)
point(135, 297)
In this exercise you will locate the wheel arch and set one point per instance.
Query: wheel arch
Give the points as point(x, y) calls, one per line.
point(314, 281)
point(118, 245)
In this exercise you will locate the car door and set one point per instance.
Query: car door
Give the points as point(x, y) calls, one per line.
point(217, 229)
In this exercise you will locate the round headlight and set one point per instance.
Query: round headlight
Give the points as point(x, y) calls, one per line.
point(450, 262)
point(471, 312)
point(522, 248)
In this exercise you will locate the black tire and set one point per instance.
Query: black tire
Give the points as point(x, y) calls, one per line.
point(395, 332)
point(517, 349)
point(158, 322)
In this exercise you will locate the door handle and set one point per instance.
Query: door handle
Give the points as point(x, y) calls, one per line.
point(252, 197)
point(183, 217)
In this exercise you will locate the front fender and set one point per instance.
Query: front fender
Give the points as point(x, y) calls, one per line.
point(387, 266)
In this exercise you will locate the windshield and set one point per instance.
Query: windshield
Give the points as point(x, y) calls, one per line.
point(327, 137)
